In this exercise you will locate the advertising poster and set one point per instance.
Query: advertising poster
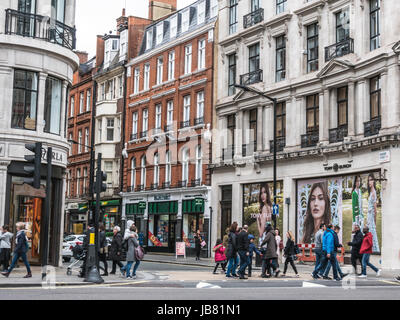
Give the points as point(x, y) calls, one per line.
point(341, 201)
point(257, 207)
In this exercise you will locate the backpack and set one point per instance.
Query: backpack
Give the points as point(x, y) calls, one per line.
point(296, 249)
point(139, 253)
point(335, 240)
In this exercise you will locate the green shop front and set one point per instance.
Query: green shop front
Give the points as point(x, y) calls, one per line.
point(110, 213)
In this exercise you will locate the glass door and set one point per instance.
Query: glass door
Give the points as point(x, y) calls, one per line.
point(26, 20)
point(58, 18)
point(172, 233)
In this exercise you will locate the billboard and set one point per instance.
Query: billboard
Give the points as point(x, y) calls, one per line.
point(341, 201)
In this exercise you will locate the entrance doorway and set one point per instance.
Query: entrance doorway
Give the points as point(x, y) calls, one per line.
point(226, 209)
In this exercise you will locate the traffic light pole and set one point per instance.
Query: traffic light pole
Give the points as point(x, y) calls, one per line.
point(46, 216)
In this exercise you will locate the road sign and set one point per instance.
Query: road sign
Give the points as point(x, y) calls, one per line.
point(275, 210)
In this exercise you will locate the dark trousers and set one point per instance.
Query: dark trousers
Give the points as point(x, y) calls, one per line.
point(243, 262)
point(114, 265)
point(5, 258)
point(249, 265)
point(267, 264)
point(354, 258)
point(223, 265)
point(287, 261)
point(324, 262)
point(103, 258)
point(198, 249)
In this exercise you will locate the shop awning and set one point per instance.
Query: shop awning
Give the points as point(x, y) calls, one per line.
point(167, 207)
point(193, 206)
point(134, 208)
point(108, 203)
point(83, 207)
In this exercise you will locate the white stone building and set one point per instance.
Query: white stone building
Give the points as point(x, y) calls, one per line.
point(333, 66)
point(36, 68)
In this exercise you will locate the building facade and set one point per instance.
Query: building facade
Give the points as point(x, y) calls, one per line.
point(37, 63)
point(167, 188)
point(333, 66)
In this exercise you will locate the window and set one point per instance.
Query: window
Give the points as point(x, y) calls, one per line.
point(99, 129)
point(312, 113)
point(86, 139)
point(312, 47)
point(110, 129)
point(88, 96)
point(280, 59)
point(168, 167)
point(78, 182)
point(254, 57)
point(201, 12)
point(103, 91)
point(185, 165)
point(374, 21)
point(146, 78)
point(143, 171)
point(134, 124)
point(81, 103)
point(114, 45)
point(145, 120)
point(280, 119)
point(188, 59)
point(202, 54)
point(158, 117)
point(231, 126)
point(280, 6)
point(136, 81)
point(85, 188)
point(185, 21)
point(199, 156)
point(255, 5)
point(214, 8)
point(170, 112)
point(25, 100)
point(108, 168)
point(171, 65)
point(80, 141)
point(72, 110)
point(133, 172)
point(231, 74)
point(123, 42)
point(186, 108)
point(149, 39)
point(159, 70)
point(159, 33)
point(375, 97)
point(52, 105)
point(253, 126)
point(120, 86)
point(342, 26)
point(233, 16)
point(156, 175)
point(342, 105)
point(173, 27)
point(200, 105)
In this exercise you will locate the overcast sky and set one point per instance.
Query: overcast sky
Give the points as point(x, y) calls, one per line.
point(95, 17)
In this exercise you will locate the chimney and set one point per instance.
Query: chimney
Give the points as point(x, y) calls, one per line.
point(122, 21)
point(99, 51)
point(82, 55)
point(161, 8)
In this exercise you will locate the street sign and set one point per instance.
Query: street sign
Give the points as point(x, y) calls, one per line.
point(275, 210)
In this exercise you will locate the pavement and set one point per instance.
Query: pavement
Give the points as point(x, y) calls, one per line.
point(57, 277)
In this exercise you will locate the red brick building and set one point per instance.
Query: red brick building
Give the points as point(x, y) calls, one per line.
point(169, 111)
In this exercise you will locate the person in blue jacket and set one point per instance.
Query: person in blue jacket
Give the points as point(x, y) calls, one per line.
point(252, 249)
point(328, 253)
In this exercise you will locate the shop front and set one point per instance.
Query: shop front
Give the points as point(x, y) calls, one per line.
point(193, 220)
point(109, 214)
point(76, 220)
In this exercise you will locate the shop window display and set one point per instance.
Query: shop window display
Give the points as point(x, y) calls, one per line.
point(192, 223)
point(158, 227)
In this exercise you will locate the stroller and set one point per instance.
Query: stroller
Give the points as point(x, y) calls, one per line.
point(79, 255)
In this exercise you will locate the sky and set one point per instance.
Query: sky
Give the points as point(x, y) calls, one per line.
point(97, 17)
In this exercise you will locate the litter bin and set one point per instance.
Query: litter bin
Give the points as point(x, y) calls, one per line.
point(258, 260)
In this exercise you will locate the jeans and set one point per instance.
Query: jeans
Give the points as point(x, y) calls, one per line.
point(323, 263)
point(249, 264)
point(232, 265)
point(318, 258)
point(128, 267)
point(16, 256)
point(328, 268)
point(365, 262)
point(243, 262)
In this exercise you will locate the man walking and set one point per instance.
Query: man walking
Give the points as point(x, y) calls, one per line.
point(318, 246)
point(243, 250)
point(336, 246)
point(5, 246)
point(366, 250)
point(355, 247)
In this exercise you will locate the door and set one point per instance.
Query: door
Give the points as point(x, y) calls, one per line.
point(172, 233)
point(57, 34)
point(26, 20)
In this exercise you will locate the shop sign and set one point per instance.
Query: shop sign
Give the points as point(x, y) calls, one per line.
point(384, 156)
point(161, 197)
point(56, 156)
point(198, 201)
point(335, 167)
point(142, 205)
point(73, 206)
point(180, 249)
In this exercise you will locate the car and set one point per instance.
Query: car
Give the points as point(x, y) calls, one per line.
point(67, 252)
point(75, 239)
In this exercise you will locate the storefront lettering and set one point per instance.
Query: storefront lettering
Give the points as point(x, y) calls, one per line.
point(55, 156)
point(162, 197)
point(335, 167)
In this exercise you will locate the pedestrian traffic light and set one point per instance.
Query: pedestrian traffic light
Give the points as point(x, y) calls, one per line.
point(34, 160)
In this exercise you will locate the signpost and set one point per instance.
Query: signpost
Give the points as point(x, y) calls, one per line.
point(180, 250)
point(275, 210)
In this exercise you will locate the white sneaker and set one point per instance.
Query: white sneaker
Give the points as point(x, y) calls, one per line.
point(378, 274)
point(362, 276)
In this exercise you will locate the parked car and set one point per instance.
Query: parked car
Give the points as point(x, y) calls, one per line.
point(75, 239)
point(67, 252)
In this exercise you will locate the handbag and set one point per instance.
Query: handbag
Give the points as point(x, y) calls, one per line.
point(139, 253)
point(203, 244)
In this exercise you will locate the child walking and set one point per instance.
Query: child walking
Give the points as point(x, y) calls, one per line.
point(220, 258)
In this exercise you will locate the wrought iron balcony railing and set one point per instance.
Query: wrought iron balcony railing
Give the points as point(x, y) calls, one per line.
point(253, 18)
point(130, 189)
point(168, 127)
point(143, 134)
point(339, 49)
point(196, 182)
point(248, 149)
point(40, 27)
point(338, 134)
point(166, 185)
point(309, 139)
point(372, 127)
point(280, 144)
point(198, 121)
point(154, 186)
point(227, 153)
point(134, 136)
point(185, 124)
point(140, 187)
point(251, 77)
point(182, 184)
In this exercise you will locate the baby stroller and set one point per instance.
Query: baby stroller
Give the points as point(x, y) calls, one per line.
point(79, 255)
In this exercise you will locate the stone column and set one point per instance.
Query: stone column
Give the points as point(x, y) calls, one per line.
point(259, 128)
point(385, 113)
point(324, 116)
point(64, 103)
point(267, 126)
point(350, 110)
point(361, 107)
point(239, 134)
point(220, 138)
point(40, 104)
point(3, 186)
point(300, 122)
point(6, 98)
point(333, 112)
point(393, 86)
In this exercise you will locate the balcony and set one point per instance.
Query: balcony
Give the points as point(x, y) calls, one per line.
point(251, 77)
point(227, 153)
point(130, 189)
point(166, 185)
point(198, 121)
point(338, 134)
point(372, 127)
point(196, 182)
point(157, 130)
point(168, 127)
point(339, 49)
point(134, 136)
point(248, 149)
point(140, 187)
point(309, 139)
point(280, 144)
point(182, 184)
point(185, 124)
point(253, 18)
point(154, 186)
point(40, 27)
point(143, 134)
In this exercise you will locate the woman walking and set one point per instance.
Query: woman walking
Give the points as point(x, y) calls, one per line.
point(220, 258)
point(133, 243)
point(270, 256)
point(279, 244)
point(372, 211)
point(197, 244)
point(289, 253)
point(116, 250)
point(103, 248)
point(5, 246)
point(231, 252)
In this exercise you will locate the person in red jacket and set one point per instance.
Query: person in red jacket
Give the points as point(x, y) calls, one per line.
point(366, 250)
point(220, 258)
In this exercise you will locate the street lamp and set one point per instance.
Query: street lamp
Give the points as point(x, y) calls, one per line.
point(250, 89)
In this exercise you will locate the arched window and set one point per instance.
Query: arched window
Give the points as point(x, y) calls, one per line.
point(133, 173)
point(156, 177)
point(143, 172)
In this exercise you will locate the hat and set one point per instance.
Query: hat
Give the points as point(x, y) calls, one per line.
point(251, 236)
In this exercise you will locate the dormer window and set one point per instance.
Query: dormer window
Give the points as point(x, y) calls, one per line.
point(185, 20)
point(201, 12)
point(159, 30)
point(173, 26)
point(149, 39)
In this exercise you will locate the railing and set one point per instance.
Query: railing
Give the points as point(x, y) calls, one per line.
point(339, 49)
point(372, 127)
point(40, 27)
point(130, 189)
point(140, 187)
point(168, 127)
point(248, 149)
point(338, 134)
point(154, 186)
point(227, 153)
point(182, 184)
point(196, 182)
point(253, 18)
point(309, 139)
point(198, 121)
point(133, 136)
point(251, 77)
point(280, 144)
point(143, 134)
point(166, 185)
point(185, 124)
point(157, 130)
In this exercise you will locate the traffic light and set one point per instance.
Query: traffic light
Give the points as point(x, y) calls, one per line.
point(100, 185)
point(34, 160)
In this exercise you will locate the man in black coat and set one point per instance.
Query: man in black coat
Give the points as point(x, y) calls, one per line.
point(85, 247)
point(243, 250)
point(356, 246)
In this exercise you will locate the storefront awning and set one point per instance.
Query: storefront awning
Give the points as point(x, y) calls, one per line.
point(193, 206)
point(134, 208)
point(108, 203)
point(167, 207)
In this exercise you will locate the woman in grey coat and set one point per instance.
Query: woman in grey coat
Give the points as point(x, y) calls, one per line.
point(270, 257)
point(130, 254)
point(5, 246)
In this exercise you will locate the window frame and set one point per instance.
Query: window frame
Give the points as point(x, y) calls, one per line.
point(373, 93)
point(109, 128)
point(171, 65)
point(201, 56)
point(340, 25)
point(313, 38)
point(280, 6)
point(281, 118)
point(339, 103)
point(160, 68)
point(186, 107)
point(280, 51)
point(315, 108)
point(231, 74)
point(374, 38)
point(146, 76)
point(254, 57)
point(233, 16)
point(188, 59)
point(51, 107)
